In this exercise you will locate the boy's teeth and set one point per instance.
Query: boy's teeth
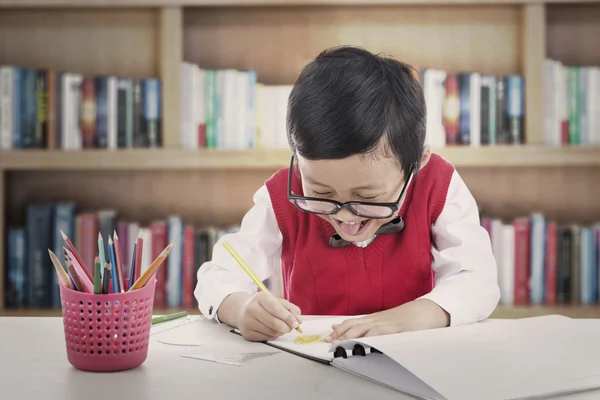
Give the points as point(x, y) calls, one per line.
point(350, 228)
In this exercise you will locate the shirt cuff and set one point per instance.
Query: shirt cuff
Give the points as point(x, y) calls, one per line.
point(458, 309)
point(210, 307)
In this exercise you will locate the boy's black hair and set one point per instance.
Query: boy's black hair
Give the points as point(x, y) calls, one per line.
point(347, 99)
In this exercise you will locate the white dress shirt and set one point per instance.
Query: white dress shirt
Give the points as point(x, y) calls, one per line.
point(465, 268)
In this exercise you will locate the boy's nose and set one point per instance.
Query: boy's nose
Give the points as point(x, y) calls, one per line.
point(346, 216)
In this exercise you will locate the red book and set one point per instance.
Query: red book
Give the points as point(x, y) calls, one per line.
point(522, 260)
point(123, 233)
point(202, 135)
point(551, 265)
point(88, 112)
point(451, 110)
point(89, 240)
point(158, 229)
point(187, 276)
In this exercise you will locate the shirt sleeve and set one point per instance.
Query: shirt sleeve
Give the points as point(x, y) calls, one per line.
point(466, 278)
point(258, 242)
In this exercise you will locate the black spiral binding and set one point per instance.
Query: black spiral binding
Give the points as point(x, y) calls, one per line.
point(357, 350)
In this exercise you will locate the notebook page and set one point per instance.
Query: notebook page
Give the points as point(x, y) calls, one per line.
point(500, 359)
point(316, 349)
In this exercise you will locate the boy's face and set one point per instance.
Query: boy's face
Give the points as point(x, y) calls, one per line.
point(376, 179)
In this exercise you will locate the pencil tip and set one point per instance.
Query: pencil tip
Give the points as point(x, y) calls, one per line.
point(110, 240)
point(99, 236)
point(140, 234)
point(63, 235)
point(115, 235)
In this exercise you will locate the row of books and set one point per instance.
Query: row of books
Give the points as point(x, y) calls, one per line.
point(542, 262)
point(43, 108)
point(32, 283)
point(539, 260)
point(571, 104)
point(472, 108)
point(230, 109)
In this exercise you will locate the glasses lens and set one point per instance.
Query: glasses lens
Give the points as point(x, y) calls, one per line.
point(372, 211)
point(315, 206)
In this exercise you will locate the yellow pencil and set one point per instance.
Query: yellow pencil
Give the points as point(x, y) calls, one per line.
point(248, 270)
point(63, 277)
point(142, 280)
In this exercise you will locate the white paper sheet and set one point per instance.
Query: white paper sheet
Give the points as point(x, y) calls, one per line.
point(499, 359)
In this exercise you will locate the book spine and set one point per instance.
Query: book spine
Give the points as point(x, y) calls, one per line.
point(41, 109)
point(101, 83)
point(16, 291)
point(39, 217)
point(159, 242)
point(88, 113)
point(522, 258)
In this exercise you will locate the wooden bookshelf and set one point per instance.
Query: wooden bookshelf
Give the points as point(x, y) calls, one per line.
point(502, 312)
point(141, 38)
point(175, 159)
point(255, 3)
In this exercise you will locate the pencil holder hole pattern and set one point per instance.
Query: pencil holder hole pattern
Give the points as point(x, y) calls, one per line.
point(107, 332)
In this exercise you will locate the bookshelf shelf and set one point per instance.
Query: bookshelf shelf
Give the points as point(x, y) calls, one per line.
point(175, 159)
point(502, 312)
point(536, 311)
point(249, 3)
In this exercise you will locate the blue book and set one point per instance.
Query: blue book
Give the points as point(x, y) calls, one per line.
point(16, 291)
point(538, 260)
point(588, 266)
point(39, 240)
point(175, 262)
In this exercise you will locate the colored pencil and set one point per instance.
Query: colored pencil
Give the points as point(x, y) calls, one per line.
point(113, 275)
point(119, 260)
point(87, 283)
point(170, 317)
point(63, 277)
point(142, 280)
point(106, 279)
point(76, 254)
point(139, 244)
point(97, 274)
point(76, 278)
point(132, 276)
point(248, 270)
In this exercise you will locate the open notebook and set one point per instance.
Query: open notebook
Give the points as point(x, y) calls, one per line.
point(527, 358)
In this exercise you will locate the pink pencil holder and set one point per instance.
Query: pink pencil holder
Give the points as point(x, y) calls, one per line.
point(107, 332)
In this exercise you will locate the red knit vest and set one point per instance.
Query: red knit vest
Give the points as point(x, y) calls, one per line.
point(392, 270)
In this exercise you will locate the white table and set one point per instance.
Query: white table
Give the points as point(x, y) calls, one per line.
point(33, 365)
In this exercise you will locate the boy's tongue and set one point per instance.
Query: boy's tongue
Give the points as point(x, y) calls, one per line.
point(350, 229)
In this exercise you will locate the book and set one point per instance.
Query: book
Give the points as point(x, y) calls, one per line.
point(494, 359)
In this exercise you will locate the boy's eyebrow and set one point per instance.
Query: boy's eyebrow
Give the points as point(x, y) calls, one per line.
point(363, 187)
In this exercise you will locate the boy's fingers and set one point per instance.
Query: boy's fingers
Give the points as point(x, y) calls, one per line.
point(259, 326)
point(276, 309)
point(294, 309)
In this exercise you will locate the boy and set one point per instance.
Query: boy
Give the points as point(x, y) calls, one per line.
point(365, 221)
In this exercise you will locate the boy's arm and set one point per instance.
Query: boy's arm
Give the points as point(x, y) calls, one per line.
point(258, 242)
point(466, 277)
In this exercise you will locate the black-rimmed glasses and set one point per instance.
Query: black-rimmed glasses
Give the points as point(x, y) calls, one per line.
point(359, 208)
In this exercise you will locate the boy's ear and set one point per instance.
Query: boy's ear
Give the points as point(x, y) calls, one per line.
point(426, 156)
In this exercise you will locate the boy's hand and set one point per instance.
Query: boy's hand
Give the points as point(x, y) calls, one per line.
point(417, 315)
point(265, 317)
